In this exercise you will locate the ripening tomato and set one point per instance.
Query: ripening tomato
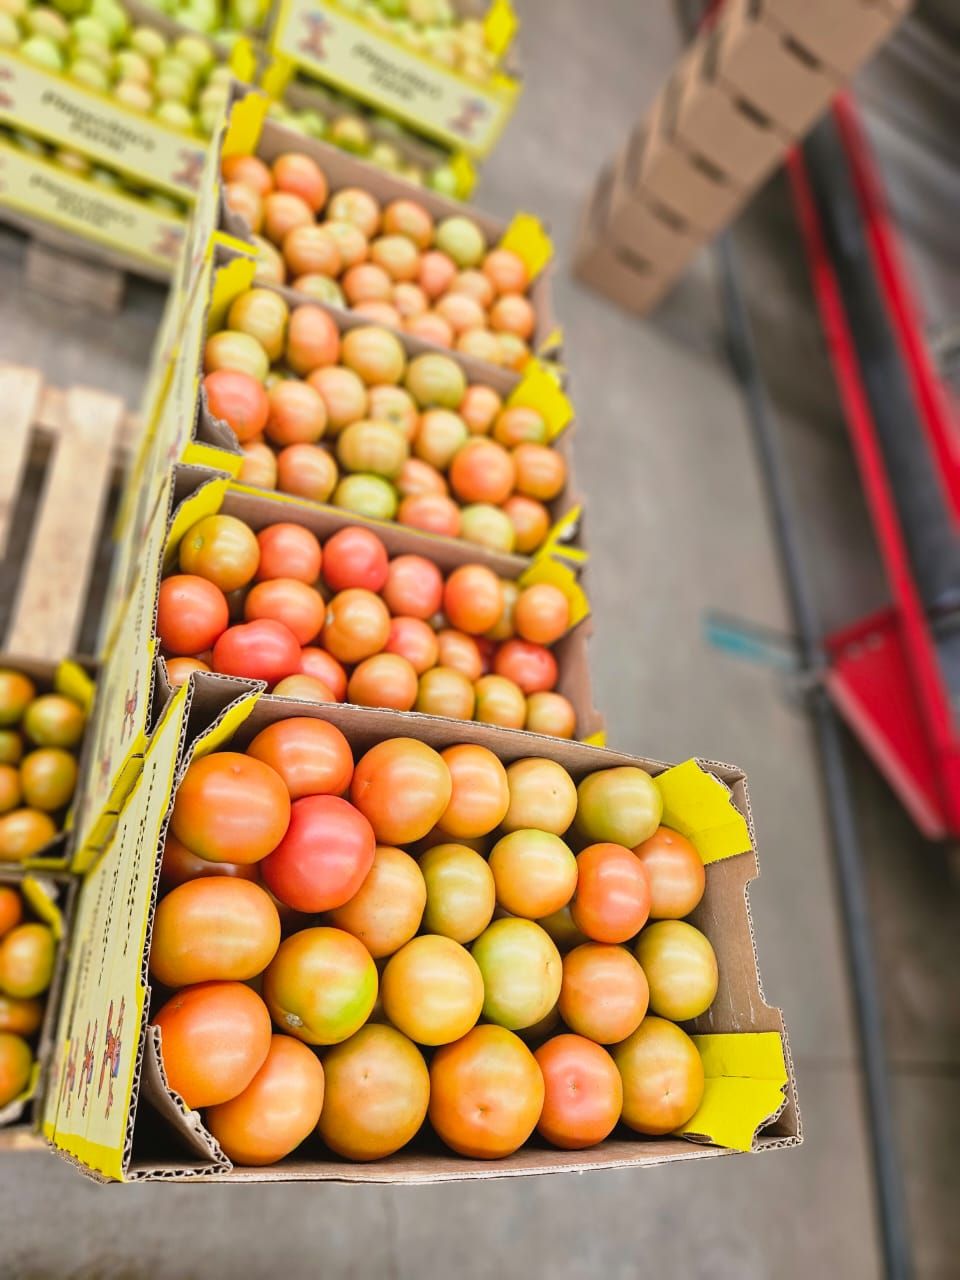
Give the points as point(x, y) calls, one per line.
point(542, 796)
point(20, 1017)
point(397, 255)
point(473, 599)
point(349, 239)
point(306, 471)
point(419, 477)
point(324, 856)
point(402, 786)
point(415, 640)
point(321, 986)
point(288, 551)
point(480, 408)
point(621, 805)
point(612, 901)
point(221, 549)
point(357, 625)
point(269, 265)
point(662, 1077)
point(287, 600)
point(519, 424)
point(230, 808)
point(500, 701)
point(313, 339)
point(312, 757)
point(461, 312)
point(179, 670)
point(409, 299)
point(460, 892)
point(311, 250)
point(356, 206)
point(355, 557)
point(297, 415)
point(259, 465)
point(278, 1109)
point(482, 471)
point(542, 613)
point(432, 990)
point(431, 513)
point(604, 994)
point(530, 520)
point(27, 953)
point(583, 1092)
point(379, 312)
point(430, 327)
point(437, 273)
point(282, 211)
point(179, 865)
point(459, 651)
point(540, 471)
point(238, 400)
point(512, 313)
point(395, 406)
point(343, 394)
point(16, 1066)
point(192, 614)
point(550, 713)
point(262, 650)
point(506, 271)
point(414, 587)
point(444, 691)
point(676, 873)
point(11, 908)
point(535, 873)
point(440, 434)
point(303, 689)
point(435, 381)
point(562, 930)
point(487, 526)
point(386, 910)
point(214, 1039)
point(262, 314)
point(409, 218)
point(374, 448)
point(24, 832)
point(216, 928)
point(231, 349)
point(480, 793)
point(301, 175)
point(17, 691)
point(521, 970)
point(48, 777)
point(366, 282)
point(385, 680)
point(246, 202)
point(249, 170)
point(681, 968)
point(374, 354)
point(324, 667)
point(530, 666)
point(11, 746)
point(486, 1093)
point(11, 789)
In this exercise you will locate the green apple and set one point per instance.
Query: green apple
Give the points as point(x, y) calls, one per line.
point(89, 73)
point(195, 52)
point(44, 21)
point(174, 114)
point(43, 52)
point(131, 67)
point(9, 31)
point(112, 16)
point(148, 42)
point(133, 94)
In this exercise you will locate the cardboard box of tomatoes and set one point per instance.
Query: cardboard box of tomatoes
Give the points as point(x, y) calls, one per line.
point(361, 895)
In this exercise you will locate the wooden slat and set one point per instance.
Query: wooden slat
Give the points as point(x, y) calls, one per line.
point(51, 412)
point(20, 390)
point(49, 607)
point(62, 275)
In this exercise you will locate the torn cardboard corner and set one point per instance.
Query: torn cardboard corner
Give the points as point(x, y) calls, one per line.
point(126, 1124)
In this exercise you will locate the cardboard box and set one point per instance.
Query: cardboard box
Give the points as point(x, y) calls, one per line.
point(841, 33)
point(133, 1127)
point(755, 61)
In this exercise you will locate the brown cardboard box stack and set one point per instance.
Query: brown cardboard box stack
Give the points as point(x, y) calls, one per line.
point(753, 83)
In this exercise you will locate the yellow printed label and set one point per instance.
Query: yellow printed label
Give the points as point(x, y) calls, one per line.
point(700, 807)
point(745, 1076)
point(539, 389)
point(33, 186)
point(82, 119)
point(527, 237)
point(376, 67)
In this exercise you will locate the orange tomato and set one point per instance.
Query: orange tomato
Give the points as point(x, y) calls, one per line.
point(192, 614)
point(662, 1077)
point(519, 424)
point(306, 471)
point(20, 1017)
point(437, 272)
point(506, 271)
point(540, 471)
point(430, 327)
point(432, 990)
point(343, 394)
point(482, 471)
point(402, 786)
point(620, 805)
point(357, 625)
point(612, 901)
point(49, 777)
point(460, 892)
point(377, 1092)
point(550, 713)
point(459, 651)
point(530, 520)
point(473, 599)
point(366, 282)
point(230, 808)
point(676, 873)
point(415, 640)
point(303, 689)
point(504, 627)
point(542, 796)
point(221, 549)
point(179, 865)
point(481, 344)
point(282, 211)
point(288, 551)
point(475, 285)
point(17, 691)
point(374, 354)
point(530, 666)
point(500, 701)
point(27, 954)
point(24, 832)
point(409, 300)
point(313, 339)
point(409, 218)
point(542, 613)
point(349, 239)
point(263, 315)
point(681, 968)
point(486, 1093)
point(513, 314)
point(238, 400)
point(583, 1092)
point(290, 601)
point(249, 170)
point(321, 986)
point(432, 513)
point(604, 994)
point(214, 928)
point(179, 670)
point(386, 910)
point(312, 757)
point(414, 587)
point(246, 202)
point(278, 1109)
point(297, 414)
point(535, 873)
point(480, 793)
point(301, 175)
point(311, 250)
point(54, 721)
point(385, 680)
point(259, 465)
point(215, 1037)
point(356, 206)
point(11, 790)
point(324, 667)
point(443, 691)
point(11, 909)
point(521, 971)
point(460, 311)
point(324, 857)
point(479, 408)
point(16, 1065)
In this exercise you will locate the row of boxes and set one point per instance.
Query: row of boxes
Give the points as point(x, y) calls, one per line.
point(754, 82)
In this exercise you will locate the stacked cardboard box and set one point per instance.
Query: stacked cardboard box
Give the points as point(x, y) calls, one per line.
point(754, 82)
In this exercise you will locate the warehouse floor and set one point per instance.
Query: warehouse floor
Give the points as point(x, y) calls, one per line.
point(676, 524)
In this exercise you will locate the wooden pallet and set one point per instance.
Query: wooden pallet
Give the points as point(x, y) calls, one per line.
point(63, 451)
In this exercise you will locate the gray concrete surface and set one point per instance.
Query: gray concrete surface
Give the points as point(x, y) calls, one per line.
point(676, 525)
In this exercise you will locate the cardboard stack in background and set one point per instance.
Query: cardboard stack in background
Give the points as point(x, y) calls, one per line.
point(753, 83)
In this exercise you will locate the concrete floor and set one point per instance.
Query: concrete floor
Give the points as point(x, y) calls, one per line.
point(677, 525)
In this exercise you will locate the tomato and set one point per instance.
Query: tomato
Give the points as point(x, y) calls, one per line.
point(249, 170)
point(440, 434)
point(681, 968)
point(366, 282)
point(349, 239)
point(20, 1017)
point(506, 271)
point(269, 266)
point(437, 272)
point(355, 557)
point(11, 790)
point(432, 513)
point(231, 349)
point(216, 928)
point(540, 471)
point(419, 477)
point(473, 599)
point(24, 832)
point(54, 721)
point(278, 1109)
point(486, 1093)
point(192, 614)
point(612, 901)
point(321, 986)
point(530, 520)
point(431, 328)
point(49, 778)
point(291, 602)
point(374, 354)
point(377, 1092)
point(301, 175)
point(521, 971)
point(443, 691)
point(261, 650)
point(535, 873)
point(397, 255)
point(480, 408)
point(313, 339)
point(542, 796)
point(604, 995)
point(386, 910)
point(414, 587)
point(343, 394)
point(230, 808)
point(357, 625)
point(676, 873)
point(214, 1039)
point(311, 250)
point(374, 447)
point(11, 909)
point(396, 407)
point(662, 1077)
point(288, 551)
point(409, 299)
point(550, 713)
point(261, 314)
point(238, 400)
point(461, 312)
point(297, 415)
point(531, 667)
point(245, 202)
point(432, 990)
point(221, 549)
point(620, 805)
point(542, 613)
point(303, 689)
point(481, 344)
point(282, 211)
point(460, 892)
point(583, 1092)
point(482, 471)
point(402, 786)
point(409, 218)
point(435, 381)
point(27, 954)
point(324, 667)
point(359, 207)
point(415, 640)
point(475, 285)
point(519, 424)
point(17, 691)
point(11, 746)
point(480, 793)
point(560, 927)
point(16, 1066)
point(500, 701)
point(513, 314)
point(259, 465)
point(462, 239)
point(311, 756)
point(459, 651)
point(366, 495)
point(306, 471)
point(385, 680)
point(324, 857)
point(179, 865)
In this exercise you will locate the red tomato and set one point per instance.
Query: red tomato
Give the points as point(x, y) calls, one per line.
point(432, 990)
point(604, 995)
point(681, 968)
point(301, 175)
point(534, 871)
point(357, 625)
point(298, 414)
point(473, 599)
point(662, 1077)
point(288, 600)
point(676, 873)
point(583, 1093)
point(480, 793)
point(437, 272)
point(612, 901)
point(385, 680)
point(386, 910)
point(324, 857)
point(550, 713)
point(180, 865)
point(221, 549)
point(530, 520)
point(521, 970)
point(306, 471)
point(444, 691)
point(214, 928)
point(262, 650)
point(414, 587)
point(530, 666)
point(402, 786)
point(415, 640)
point(192, 614)
point(542, 613)
point(431, 513)
point(312, 757)
point(321, 985)
point(238, 400)
point(288, 551)
point(482, 471)
point(459, 651)
point(486, 1093)
point(355, 557)
point(313, 339)
point(324, 667)
point(230, 808)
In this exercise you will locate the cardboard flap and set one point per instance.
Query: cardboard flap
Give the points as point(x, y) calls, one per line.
point(527, 237)
point(170, 1106)
point(540, 389)
point(698, 805)
point(745, 1083)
